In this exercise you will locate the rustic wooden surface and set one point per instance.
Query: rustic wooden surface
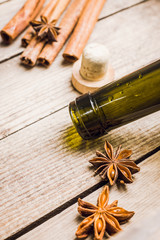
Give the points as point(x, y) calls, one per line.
point(134, 196)
point(44, 163)
point(32, 90)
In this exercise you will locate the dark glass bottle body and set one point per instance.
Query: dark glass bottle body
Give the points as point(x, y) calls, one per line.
point(118, 103)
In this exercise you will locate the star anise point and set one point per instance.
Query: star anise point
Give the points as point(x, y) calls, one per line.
point(102, 217)
point(46, 30)
point(112, 166)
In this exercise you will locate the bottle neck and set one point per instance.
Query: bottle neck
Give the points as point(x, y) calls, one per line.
point(85, 115)
point(120, 102)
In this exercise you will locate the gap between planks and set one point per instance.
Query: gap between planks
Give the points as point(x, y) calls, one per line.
point(123, 9)
point(39, 154)
point(20, 129)
point(28, 95)
point(110, 9)
point(9, 58)
point(72, 201)
point(4, 1)
point(49, 154)
point(139, 196)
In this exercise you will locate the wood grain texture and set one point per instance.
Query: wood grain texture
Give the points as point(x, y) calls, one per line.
point(46, 165)
point(8, 10)
point(28, 95)
point(148, 228)
point(42, 165)
point(142, 196)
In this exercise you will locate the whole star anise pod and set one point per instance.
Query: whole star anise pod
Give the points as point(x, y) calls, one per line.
point(46, 30)
point(115, 165)
point(102, 217)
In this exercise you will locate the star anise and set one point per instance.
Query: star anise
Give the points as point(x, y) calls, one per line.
point(102, 217)
point(46, 30)
point(116, 165)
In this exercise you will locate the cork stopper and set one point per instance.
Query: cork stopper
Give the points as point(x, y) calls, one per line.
point(92, 70)
point(94, 63)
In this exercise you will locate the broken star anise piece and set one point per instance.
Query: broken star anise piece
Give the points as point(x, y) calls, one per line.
point(102, 217)
point(46, 30)
point(112, 166)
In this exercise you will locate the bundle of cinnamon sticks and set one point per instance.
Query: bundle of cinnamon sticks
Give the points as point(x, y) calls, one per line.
point(80, 18)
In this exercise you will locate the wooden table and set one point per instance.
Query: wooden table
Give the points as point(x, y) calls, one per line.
point(44, 163)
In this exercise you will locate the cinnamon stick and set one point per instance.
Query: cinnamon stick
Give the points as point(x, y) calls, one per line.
point(31, 53)
point(20, 21)
point(46, 11)
point(83, 30)
point(69, 20)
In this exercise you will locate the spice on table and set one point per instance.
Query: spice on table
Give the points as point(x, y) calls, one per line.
point(31, 53)
point(83, 30)
point(67, 24)
point(21, 20)
point(47, 12)
point(46, 30)
point(102, 217)
point(116, 165)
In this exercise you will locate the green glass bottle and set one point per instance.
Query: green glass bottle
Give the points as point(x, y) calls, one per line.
point(117, 103)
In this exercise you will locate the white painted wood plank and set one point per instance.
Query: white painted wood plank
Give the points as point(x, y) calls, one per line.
point(148, 228)
point(142, 196)
point(4, 1)
point(28, 95)
point(9, 9)
point(42, 165)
